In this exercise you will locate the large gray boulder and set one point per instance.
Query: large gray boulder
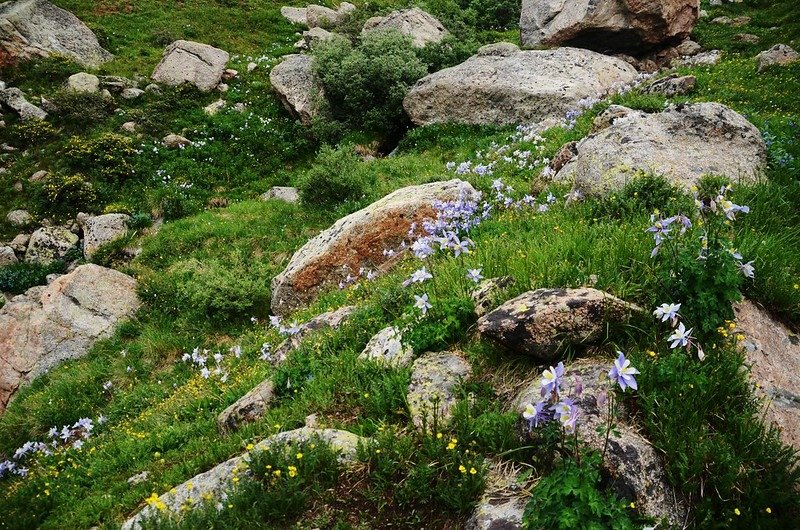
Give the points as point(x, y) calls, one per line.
point(103, 229)
point(297, 86)
point(214, 483)
point(628, 26)
point(50, 243)
point(543, 322)
point(14, 99)
point(358, 241)
point(432, 392)
point(632, 467)
point(502, 85)
point(682, 143)
point(422, 27)
point(191, 62)
point(37, 28)
point(61, 321)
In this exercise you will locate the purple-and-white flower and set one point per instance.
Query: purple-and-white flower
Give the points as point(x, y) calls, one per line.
point(474, 275)
point(422, 303)
point(681, 336)
point(622, 373)
point(551, 381)
point(666, 312)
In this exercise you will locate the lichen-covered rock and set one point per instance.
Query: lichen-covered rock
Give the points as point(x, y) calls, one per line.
point(359, 240)
point(191, 62)
point(502, 504)
point(709, 58)
point(48, 325)
point(387, 348)
point(671, 85)
point(780, 54)
point(214, 483)
point(103, 229)
point(628, 26)
point(486, 293)
point(541, 323)
point(48, 244)
point(505, 86)
point(14, 99)
point(313, 37)
point(297, 86)
point(422, 27)
point(682, 143)
point(19, 218)
point(773, 354)
point(688, 48)
point(248, 408)
point(37, 28)
point(631, 466)
point(282, 193)
point(175, 141)
point(319, 16)
point(431, 394)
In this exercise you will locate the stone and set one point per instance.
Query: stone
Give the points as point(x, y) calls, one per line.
point(386, 348)
point(627, 26)
point(153, 88)
point(103, 229)
point(39, 175)
point(295, 15)
point(486, 293)
point(116, 84)
point(251, 67)
point(314, 36)
point(708, 58)
point(297, 86)
point(128, 127)
point(502, 504)
point(734, 22)
point(37, 28)
point(688, 48)
point(213, 108)
point(20, 243)
point(327, 320)
point(431, 394)
point(282, 193)
point(14, 99)
point(175, 141)
point(83, 82)
point(632, 467)
point(138, 478)
point(131, 93)
point(229, 73)
point(358, 240)
point(248, 408)
point(422, 27)
point(7, 256)
point(19, 218)
point(222, 87)
point(672, 85)
point(320, 16)
point(772, 352)
point(542, 323)
point(213, 483)
point(48, 325)
point(746, 37)
point(779, 54)
point(682, 143)
point(48, 244)
point(191, 62)
point(503, 87)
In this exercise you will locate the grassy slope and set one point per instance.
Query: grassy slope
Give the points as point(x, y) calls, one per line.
point(161, 415)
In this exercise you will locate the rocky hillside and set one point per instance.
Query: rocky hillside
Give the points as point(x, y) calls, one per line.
point(436, 264)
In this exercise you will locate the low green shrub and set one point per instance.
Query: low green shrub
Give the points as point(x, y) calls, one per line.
point(335, 177)
point(34, 132)
point(78, 110)
point(109, 156)
point(19, 277)
point(66, 195)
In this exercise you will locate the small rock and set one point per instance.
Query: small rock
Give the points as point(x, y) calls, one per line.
point(129, 127)
point(502, 505)
point(138, 478)
point(19, 218)
point(39, 175)
point(328, 320)
point(116, 84)
point(50, 278)
point(672, 85)
point(229, 73)
point(18, 186)
point(541, 323)
point(173, 141)
point(248, 408)
point(282, 193)
point(153, 89)
point(191, 62)
point(485, 294)
point(132, 93)
point(83, 82)
point(7, 256)
point(688, 48)
point(215, 107)
point(779, 54)
point(431, 394)
point(422, 27)
point(14, 99)
point(251, 67)
point(708, 58)
point(50, 243)
point(747, 37)
point(20, 243)
point(239, 107)
point(386, 348)
point(314, 36)
point(222, 87)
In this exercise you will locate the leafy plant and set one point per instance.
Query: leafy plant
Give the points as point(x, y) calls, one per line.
point(335, 177)
point(108, 156)
point(19, 277)
point(67, 194)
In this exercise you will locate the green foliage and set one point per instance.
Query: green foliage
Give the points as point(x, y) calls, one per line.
point(450, 51)
point(66, 195)
point(34, 132)
point(450, 318)
point(335, 177)
point(644, 193)
point(572, 497)
point(78, 110)
point(48, 72)
point(366, 83)
point(19, 277)
point(108, 157)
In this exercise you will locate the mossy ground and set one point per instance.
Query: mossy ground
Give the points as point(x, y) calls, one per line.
point(204, 276)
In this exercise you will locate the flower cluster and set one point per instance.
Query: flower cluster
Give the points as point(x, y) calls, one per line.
point(199, 359)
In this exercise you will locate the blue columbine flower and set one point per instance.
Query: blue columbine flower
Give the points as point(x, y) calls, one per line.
point(551, 381)
point(622, 373)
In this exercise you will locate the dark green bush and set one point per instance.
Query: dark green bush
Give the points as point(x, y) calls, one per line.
point(335, 177)
point(19, 277)
point(81, 109)
point(449, 52)
point(366, 84)
point(66, 195)
point(108, 157)
point(34, 132)
point(644, 193)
